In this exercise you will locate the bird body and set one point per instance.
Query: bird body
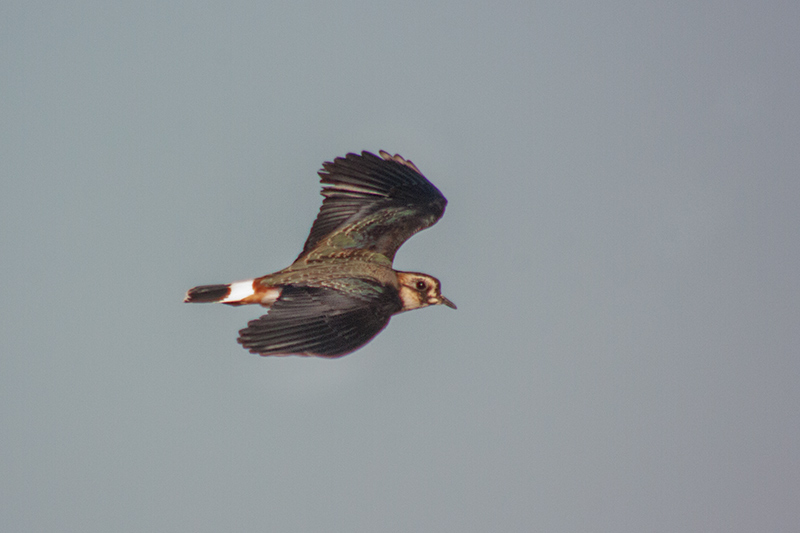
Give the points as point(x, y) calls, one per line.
point(341, 291)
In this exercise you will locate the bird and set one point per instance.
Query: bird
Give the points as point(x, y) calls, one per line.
point(341, 290)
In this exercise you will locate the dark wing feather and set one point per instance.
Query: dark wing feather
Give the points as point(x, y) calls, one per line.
point(321, 321)
point(374, 203)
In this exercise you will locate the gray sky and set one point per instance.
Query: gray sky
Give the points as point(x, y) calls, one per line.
point(621, 240)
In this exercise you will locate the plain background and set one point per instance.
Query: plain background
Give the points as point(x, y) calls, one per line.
point(621, 240)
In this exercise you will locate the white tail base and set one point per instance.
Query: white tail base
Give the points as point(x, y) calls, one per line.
point(239, 290)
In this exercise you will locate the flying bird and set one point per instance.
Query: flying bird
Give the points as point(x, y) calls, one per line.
point(341, 291)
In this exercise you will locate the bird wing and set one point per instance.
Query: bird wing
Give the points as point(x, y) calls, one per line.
point(322, 321)
point(372, 203)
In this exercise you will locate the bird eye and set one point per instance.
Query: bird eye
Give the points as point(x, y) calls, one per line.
point(421, 285)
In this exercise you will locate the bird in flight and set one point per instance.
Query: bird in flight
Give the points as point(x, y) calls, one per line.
point(342, 290)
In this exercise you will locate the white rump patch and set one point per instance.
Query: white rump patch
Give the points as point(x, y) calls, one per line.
point(239, 290)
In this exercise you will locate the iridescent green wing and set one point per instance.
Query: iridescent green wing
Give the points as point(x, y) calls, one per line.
point(372, 203)
point(322, 321)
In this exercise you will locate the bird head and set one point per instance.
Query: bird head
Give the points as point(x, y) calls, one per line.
point(420, 290)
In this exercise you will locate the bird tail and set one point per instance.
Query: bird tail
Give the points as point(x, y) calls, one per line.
point(237, 293)
point(208, 293)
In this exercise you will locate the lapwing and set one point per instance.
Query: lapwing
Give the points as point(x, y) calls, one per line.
point(341, 290)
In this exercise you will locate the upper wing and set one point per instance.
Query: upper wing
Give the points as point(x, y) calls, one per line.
point(321, 321)
point(374, 203)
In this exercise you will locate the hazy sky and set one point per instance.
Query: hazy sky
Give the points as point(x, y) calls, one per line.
point(621, 240)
